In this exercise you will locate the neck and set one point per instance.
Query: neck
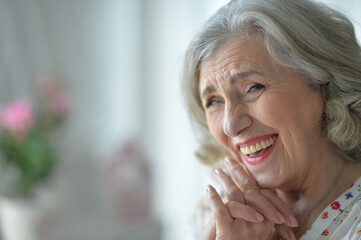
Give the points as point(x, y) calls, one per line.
point(314, 193)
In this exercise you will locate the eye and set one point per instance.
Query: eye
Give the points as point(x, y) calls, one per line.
point(211, 102)
point(256, 87)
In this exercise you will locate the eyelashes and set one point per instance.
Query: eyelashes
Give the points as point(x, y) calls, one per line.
point(250, 95)
point(256, 87)
point(211, 102)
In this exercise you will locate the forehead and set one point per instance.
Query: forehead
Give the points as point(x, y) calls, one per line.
point(240, 54)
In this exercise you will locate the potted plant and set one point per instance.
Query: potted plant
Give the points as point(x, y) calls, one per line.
point(27, 155)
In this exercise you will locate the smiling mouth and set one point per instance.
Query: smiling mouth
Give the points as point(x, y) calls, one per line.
point(259, 148)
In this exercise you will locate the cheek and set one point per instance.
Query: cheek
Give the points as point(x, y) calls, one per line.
point(285, 110)
point(296, 119)
point(215, 125)
point(269, 112)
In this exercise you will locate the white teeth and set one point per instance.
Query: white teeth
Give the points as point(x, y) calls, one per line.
point(245, 150)
point(253, 149)
point(258, 146)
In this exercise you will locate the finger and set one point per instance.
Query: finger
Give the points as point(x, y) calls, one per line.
point(219, 210)
point(251, 194)
point(239, 172)
point(235, 197)
point(264, 206)
point(230, 189)
point(285, 232)
point(242, 211)
point(263, 229)
point(291, 221)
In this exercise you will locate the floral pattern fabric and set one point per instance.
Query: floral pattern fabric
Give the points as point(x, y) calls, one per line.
point(340, 220)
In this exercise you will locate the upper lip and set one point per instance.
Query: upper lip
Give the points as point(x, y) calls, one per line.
point(254, 140)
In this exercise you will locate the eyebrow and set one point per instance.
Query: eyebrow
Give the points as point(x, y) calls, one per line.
point(240, 75)
point(232, 79)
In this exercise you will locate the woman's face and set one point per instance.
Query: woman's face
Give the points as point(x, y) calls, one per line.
point(266, 116)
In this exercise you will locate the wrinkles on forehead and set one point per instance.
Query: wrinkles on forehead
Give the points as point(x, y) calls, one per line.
point(240, 54)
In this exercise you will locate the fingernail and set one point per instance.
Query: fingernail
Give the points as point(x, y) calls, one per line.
point(217, 172)
point(228, 161)
point(280, 217)
point(293, 220)
point(291, 235)
point(259, 217)
point(209, 192)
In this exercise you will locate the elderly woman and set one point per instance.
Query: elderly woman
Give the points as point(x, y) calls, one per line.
point(274, 87)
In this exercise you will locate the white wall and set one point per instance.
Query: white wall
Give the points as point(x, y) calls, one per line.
point(118, 40)
point(178, 176)
point(351, 8)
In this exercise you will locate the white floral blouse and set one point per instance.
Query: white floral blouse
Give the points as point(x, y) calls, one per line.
point(341, 220)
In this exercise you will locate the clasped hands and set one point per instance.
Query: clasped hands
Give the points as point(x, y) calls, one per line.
point(246, 212)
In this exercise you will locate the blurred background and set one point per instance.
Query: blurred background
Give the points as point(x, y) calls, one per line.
point(124, 165)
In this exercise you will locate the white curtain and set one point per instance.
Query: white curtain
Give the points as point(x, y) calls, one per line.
point(92, 46)
point(22, 41)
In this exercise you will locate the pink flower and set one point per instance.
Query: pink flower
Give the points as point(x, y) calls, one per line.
point(17, 117)
point(335, 205)
point(59, 104)
point(56, 100)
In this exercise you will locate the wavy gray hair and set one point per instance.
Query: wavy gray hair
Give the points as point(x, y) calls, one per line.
point(307, 37)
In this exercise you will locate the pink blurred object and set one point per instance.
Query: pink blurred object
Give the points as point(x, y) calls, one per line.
point(17, 117)
point(56, 100)
point(48, 85)
point(59, 105)
point(130, 185)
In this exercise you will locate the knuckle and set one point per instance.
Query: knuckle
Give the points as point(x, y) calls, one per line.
point(251, 192)
point(225, 199)
point(218, 212)
point(266, 192)
point(246, 181)
point(222, 215)
point(235, 168)
point(237, 209)
point(250, 183)
point(232, 205)
point(234, 191)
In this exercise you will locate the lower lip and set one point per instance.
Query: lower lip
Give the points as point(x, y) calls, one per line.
point(260, 158)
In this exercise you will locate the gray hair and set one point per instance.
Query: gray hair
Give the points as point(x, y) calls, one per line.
point(304, 36)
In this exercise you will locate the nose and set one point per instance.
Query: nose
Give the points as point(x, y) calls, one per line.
point(236, 120)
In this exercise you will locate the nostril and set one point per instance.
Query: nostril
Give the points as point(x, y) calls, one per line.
point(235, 126)
point(242, 130)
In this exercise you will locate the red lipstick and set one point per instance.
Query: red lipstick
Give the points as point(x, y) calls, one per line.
point(253, 160)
